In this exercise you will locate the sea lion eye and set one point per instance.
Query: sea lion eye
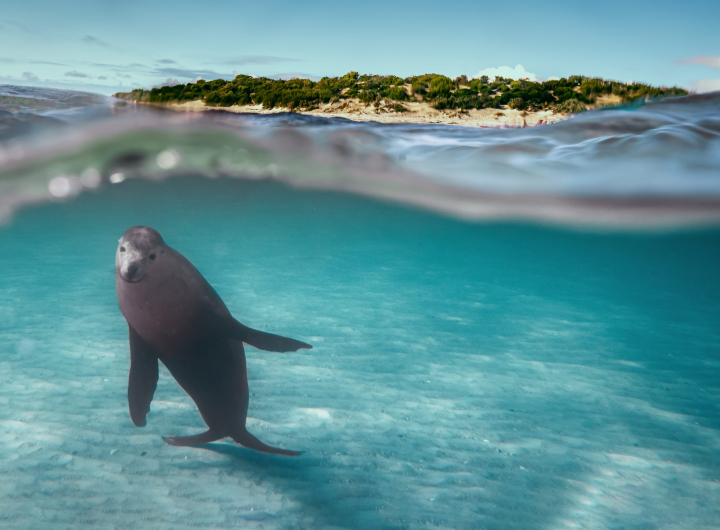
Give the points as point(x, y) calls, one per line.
point(122, 249)
point(152, 256)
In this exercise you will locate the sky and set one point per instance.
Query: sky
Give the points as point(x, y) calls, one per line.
point(108, 46)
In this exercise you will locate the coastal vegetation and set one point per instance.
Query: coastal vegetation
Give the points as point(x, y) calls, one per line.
point(572, 94)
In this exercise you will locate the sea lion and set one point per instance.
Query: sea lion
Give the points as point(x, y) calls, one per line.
point(174, 315)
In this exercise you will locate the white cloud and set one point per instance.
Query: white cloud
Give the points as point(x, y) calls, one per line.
point(72, 84)
point(168, 82)
point(293, 75)
point(518, 72)
point(706, 60)
point(75, 73)
point(705, 85)
point(89, 39)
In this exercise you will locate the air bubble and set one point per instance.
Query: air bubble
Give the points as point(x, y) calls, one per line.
point(90, 178)
point(64, 186)
point(168, 159)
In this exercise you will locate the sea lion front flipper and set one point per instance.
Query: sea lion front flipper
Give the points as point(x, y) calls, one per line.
point(143, 378)
point(262, 340)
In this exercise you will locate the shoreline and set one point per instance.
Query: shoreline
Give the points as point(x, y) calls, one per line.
point(417, 112)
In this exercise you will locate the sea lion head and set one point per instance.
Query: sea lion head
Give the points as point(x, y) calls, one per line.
point(139, 250)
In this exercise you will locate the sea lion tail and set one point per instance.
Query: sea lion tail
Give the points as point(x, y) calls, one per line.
point(244, 438)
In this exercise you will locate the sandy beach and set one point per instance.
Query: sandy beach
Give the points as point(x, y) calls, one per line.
point(417, 112)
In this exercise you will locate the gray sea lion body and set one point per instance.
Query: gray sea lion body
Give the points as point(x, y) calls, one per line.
point(175, 316)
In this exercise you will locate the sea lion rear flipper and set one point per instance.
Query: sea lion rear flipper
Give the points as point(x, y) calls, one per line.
point(190, 441)
point(262, 340)
point(244, 438)
point(143, 378)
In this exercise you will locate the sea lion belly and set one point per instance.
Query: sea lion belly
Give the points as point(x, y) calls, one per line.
point(163, 313)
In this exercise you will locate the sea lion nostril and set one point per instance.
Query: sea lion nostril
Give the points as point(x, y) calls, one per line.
point(132, 269)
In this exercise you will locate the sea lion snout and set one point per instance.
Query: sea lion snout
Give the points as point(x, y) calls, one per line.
point(129, 263)
point(132, 272)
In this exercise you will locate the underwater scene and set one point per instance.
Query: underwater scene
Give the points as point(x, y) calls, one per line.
point(444, 326)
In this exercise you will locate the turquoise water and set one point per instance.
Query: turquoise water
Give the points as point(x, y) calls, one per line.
point(512, 329)
point(464, 375)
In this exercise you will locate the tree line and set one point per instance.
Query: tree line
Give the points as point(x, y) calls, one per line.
point(570, 94)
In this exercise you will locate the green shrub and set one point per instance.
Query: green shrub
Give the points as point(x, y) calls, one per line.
point(368, 96)
point(213, 98)
point(442, 104)
point(517, 104)
point(569, 106)
point(418, 87)
point(440, 87)
point(396, 93)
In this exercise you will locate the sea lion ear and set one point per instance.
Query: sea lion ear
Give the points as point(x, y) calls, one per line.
point(260, 339)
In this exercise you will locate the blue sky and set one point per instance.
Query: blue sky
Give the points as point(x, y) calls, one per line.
point(105, 46)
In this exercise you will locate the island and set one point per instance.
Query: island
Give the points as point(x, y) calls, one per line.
point(429, 98)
